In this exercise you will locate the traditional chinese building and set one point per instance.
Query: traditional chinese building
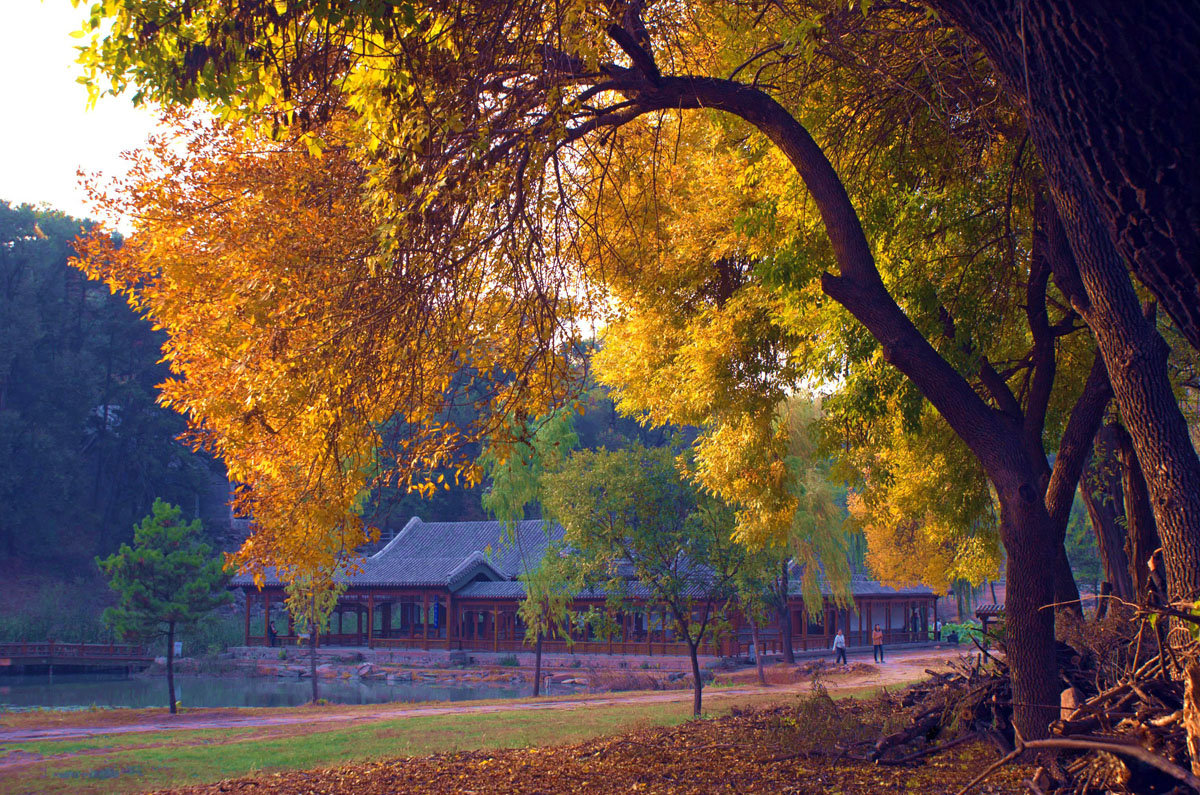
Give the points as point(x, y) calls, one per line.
point(454, 585)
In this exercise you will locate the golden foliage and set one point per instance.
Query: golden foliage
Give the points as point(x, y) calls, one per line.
point(312, 364)
point(926, 509)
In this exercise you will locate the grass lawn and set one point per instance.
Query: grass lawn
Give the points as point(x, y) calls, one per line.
point(141, 761)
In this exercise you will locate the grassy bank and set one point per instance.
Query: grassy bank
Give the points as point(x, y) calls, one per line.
point(141, 761)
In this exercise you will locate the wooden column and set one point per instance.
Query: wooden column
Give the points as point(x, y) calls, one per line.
point(266, 617)
point(449, 620)
point(358, 617)
point(370, 618)
point(247, 636)
point(425, 619)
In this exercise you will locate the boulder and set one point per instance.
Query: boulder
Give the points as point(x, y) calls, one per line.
point(327, 671)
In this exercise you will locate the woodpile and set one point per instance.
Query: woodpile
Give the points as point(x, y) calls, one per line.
point(1140, 734)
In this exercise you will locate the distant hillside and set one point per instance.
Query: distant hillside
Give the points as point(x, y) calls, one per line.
point(84, 448)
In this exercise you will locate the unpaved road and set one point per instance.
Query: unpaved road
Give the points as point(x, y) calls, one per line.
point(901, 667)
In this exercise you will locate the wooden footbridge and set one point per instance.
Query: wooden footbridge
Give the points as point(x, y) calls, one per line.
point(84, 655)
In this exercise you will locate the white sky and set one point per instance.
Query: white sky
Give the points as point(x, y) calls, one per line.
point(47, 133)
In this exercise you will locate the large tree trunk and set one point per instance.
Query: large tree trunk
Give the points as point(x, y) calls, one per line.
point(1029, 628)
point(1141, 534)
point(1137, 360)
point(1111, 93)
point(171, 666)
point(1088, 73)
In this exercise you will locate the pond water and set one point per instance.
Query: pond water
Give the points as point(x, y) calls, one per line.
point(85, 690)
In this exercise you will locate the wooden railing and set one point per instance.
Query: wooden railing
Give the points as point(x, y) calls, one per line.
point(80, 651)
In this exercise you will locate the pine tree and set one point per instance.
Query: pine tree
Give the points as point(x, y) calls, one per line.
point(167, 581)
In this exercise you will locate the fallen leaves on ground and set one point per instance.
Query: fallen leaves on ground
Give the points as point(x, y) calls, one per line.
point(734, 754)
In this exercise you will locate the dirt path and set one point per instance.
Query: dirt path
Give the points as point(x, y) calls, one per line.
point(901, 667)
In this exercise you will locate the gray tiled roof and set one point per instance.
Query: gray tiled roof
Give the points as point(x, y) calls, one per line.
point(860, 586)
point(477, 560)
point(504, 589)
point(448, 554)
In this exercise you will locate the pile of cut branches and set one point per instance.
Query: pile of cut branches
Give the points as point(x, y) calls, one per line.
point(1135, 730)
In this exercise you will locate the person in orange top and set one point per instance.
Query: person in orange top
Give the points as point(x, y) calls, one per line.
point(877, 643)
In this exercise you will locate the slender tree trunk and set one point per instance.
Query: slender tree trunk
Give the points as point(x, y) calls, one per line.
point(171, 666)
point(697, 683)
point(1141, 534)
point(312, 661)
point(1105, 512)
point(785, 616)
point(537, 666)
point(758, 660)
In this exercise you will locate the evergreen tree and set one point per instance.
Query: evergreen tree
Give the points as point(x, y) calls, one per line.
point(167, 581)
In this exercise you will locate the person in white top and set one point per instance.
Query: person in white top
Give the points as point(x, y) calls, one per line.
point(839, 647)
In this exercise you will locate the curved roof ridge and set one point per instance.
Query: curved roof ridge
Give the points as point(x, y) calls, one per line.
point(411, 523)
point(469, 564)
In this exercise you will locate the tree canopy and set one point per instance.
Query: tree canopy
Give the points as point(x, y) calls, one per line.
point(475, 201)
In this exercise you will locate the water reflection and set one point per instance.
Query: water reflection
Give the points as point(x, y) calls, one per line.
point(85, 690)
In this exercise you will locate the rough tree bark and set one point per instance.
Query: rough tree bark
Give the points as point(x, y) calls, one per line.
point(1088, 74)
point(697, 682)
point(1136, 357)
point(1111, 93)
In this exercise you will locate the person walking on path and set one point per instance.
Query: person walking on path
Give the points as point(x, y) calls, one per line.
point(877, 643)
point(839, 647)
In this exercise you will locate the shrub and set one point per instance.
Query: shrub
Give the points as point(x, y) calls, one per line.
point(965, 631)
point(509, 661)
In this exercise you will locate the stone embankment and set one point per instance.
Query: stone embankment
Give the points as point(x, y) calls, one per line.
point(585, 673)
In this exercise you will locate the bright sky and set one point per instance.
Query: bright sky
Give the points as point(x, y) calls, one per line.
point(48, 133)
